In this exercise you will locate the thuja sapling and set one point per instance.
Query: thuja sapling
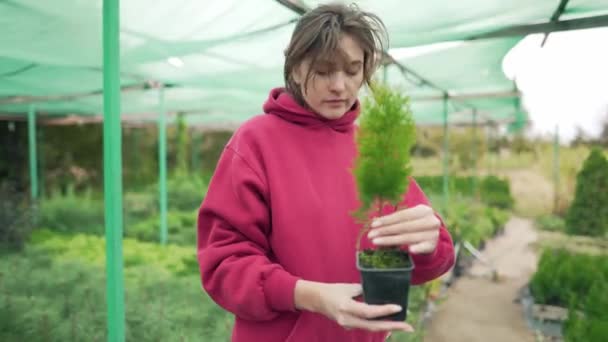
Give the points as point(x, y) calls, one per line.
point(382, 170)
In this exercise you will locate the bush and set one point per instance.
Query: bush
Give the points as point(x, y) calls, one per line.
point(579, 282)
point(474, 222)
point(493, 190)
point(460, 186)
point(563, 277)
point(496, 192)
point(16, 216)
point(181, 227)
point(73, 213)
point(551, 223)
point(183, 192)
point(49, 297)
point(84, 213)
point(592, 324)
point(588, 214)
point(175, 259)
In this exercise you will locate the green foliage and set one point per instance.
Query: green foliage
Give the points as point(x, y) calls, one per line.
point(384, 258)
point(16, 216)
point(49, 299)
point(184, 192)
point(84, 212)
point(466, 147)
point(468, 220)
point(458, 185)
point(592, 323)
point(588, 214)
point(496, 192)
point(579, 282)
point(181, 226)
point(175, 259)
point(520, 144)
point(563, 277)
point(493, 190)
point(72, 212)
point(384, 140)
point(551, 223)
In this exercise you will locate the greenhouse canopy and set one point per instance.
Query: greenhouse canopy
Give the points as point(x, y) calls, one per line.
point(218, 59)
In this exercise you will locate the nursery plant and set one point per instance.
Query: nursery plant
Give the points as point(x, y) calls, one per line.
point(588, 214)
point(384, 138)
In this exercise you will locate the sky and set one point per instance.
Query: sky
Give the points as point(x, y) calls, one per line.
point(564, 82)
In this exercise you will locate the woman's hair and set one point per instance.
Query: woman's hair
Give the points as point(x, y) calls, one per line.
point(317, 36)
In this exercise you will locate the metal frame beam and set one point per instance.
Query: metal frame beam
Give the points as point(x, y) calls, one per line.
point(557, 26)
point(555, 17)
point(470, 96)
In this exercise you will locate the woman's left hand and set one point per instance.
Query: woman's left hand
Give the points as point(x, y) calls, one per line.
point(417, 227)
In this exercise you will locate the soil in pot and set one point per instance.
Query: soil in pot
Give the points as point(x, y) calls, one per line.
point(385, 275)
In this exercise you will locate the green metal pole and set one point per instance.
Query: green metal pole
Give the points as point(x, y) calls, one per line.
point(162, 164)
point(475, 146)
point(31, 134)
point(446, 189)
point(556, 170)
point(112, 171)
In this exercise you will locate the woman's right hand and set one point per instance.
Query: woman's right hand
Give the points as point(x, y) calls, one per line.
point(336, 301)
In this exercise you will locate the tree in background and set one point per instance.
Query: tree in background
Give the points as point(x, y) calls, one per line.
point(588, 214)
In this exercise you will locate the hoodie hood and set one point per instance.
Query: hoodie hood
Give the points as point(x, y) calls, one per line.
point(283, 105)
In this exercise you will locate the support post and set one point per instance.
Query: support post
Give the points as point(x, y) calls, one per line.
point(112, 171)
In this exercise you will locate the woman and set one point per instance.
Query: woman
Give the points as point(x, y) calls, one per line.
point(276, 240)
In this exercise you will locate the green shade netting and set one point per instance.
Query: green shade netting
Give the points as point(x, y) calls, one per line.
point(222, 57)
point(413, 23)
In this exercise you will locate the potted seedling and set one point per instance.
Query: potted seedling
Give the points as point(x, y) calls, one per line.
point(382, 168)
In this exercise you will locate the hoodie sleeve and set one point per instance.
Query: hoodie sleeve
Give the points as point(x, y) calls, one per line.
point(233, 250)
point(433, 265)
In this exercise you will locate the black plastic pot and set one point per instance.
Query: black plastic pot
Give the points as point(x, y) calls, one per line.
point(387, 286)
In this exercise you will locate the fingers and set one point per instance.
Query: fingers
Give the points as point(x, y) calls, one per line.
point(367, 311)
point(417, 225)
point(406, 239)
point(423, 247)
point(360, 315)
point(353, 290)
point(407, 214)
point(358, 323)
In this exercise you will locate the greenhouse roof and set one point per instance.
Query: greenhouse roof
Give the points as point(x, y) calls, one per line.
point(218, 59)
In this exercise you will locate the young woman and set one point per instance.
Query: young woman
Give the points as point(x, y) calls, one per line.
point(276, 240)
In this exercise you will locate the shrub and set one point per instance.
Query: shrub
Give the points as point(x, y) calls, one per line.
point(496, 192)
point(56, 297)
point(563, 277)
point(588, 214)
point(181, 228)
point(72, 213)
point(16, 216)
point(551, 223)
point(474, 222)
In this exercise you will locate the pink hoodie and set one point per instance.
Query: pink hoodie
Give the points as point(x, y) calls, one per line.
point(278, 209)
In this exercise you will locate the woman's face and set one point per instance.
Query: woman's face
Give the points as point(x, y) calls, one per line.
point(334, 84)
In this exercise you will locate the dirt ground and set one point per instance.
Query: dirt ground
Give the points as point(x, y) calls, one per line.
point(479, 310)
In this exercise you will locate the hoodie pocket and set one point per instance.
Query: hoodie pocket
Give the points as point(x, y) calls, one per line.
point(303, 329)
